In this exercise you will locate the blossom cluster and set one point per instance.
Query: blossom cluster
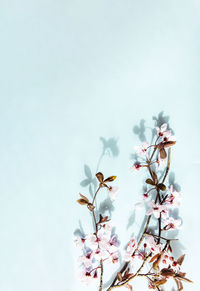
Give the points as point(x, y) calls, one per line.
point(95, 247)
point(165, 138)
point(172, 199)
point(153, 246)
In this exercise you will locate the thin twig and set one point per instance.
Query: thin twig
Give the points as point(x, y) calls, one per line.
point(96, 228)
point(101, 277)
point(95, 195)
point(168, 165)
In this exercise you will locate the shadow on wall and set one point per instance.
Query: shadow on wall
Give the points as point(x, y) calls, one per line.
point(140, 129)
point(109, 148)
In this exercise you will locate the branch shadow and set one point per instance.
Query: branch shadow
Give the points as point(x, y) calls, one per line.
point(110, 148)
point(79, 231)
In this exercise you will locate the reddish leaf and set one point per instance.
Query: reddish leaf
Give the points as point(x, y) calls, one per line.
point(149, 181)
point(161, 186)
point(154, 258)
point(102, 219)
point(181, 259)
point(119, 276)
point(110, 179)
point(167, 272)
point(154, 177)
point(168, 144)
point(82, 201)
point(157, 262)
point(160, 282)
point(100, 177)
point(169, 248)
point(163, 153)
point(84, 197)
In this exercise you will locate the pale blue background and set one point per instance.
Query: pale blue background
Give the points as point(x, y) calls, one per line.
point(72, 71)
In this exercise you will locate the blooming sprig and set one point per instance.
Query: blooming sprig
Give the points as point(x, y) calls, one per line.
point(157, 210)
point(102, 245)
point(154, 246)
point(130, 250)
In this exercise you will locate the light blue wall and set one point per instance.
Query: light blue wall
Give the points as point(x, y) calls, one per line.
point(72, 71)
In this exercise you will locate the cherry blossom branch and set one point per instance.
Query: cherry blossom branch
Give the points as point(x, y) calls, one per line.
point(145, 228)
point(95, 195)
point(96, 227)
point(149, 218)
point(168, 166)
point(102, 245)
point(101, 276)
point(167, 239)
point(135, 275)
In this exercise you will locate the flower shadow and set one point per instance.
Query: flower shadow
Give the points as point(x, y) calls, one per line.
point(109, 147)
point(140, 130)
point(79, 231)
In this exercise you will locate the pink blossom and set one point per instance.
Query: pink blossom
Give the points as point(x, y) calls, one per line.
point(105, 230)
point(114, 257)
point(87, 276)
point(129, 256)
point(174, 199)
point(142, 150)
point(113, 192)
point(130, 250)
point(132, 245)
point(99, 241)
point(141, 255)
point(160, 163)
point(156, 210)
point(161, 131)
point(165, 134)
point(152, 244)
point(136, 166)
point(172, 223)
point(100, 254)
point(86, 259)
point(168, 136)
point(113, 244)
point(79, 241)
